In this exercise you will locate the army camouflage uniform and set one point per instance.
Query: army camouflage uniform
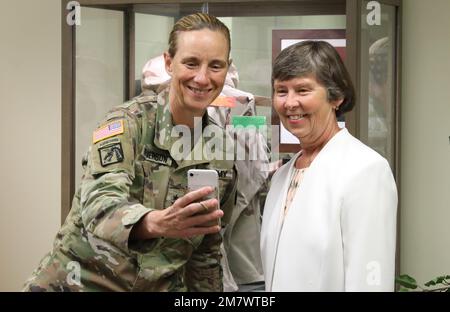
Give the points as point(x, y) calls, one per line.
point(126, 176)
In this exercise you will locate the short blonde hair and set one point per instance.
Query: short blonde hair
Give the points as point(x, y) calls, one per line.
point(197, 21)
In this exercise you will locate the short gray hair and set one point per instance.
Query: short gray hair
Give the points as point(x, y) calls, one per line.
point(320, 59)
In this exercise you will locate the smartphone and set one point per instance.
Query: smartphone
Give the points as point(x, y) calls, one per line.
point(198, 178)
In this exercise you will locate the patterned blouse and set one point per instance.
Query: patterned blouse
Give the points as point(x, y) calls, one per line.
point(296, 179)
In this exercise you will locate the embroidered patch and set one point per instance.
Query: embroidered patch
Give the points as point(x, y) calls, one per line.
point(111, 154)
point(155, 157)
point(109, 142)
point(109, 130)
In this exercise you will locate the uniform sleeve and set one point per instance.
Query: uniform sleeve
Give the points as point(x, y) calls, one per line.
point(203, 270)
point(368, 220)
point(107, 209)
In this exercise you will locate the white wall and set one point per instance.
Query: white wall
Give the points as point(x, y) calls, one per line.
point(30, 130)
point(425, 159)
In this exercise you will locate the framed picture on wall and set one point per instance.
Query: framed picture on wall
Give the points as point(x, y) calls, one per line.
point(281, 39)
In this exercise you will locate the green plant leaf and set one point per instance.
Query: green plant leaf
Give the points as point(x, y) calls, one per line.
point(403, 289)
point(406, 281)
point(437, 280)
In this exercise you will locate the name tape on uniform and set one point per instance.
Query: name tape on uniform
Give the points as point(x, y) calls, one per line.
point(155, 157)
point(109, 130)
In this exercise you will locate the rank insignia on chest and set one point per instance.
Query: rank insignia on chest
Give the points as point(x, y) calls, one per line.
point(156, 157)
point(111, 154)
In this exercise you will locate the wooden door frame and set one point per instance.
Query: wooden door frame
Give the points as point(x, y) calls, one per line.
point(353, 9)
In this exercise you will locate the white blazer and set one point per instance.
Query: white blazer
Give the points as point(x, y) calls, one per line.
point(340, 231)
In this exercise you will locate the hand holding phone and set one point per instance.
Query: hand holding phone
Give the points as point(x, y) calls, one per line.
point(198, 178)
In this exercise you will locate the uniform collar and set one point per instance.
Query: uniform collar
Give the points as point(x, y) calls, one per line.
point(164, 141)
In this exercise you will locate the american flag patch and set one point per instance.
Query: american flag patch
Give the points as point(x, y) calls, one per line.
point(107, 131)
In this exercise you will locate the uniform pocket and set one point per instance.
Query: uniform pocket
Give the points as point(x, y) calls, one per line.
point(156, 179)
point(162, 267)
point(227, 191)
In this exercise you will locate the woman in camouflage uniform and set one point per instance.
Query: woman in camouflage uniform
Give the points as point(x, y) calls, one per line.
point(133, 226)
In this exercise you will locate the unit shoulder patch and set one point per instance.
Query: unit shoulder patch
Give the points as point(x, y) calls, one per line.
point(111, 154)
point(108, 130)
point(108, 142)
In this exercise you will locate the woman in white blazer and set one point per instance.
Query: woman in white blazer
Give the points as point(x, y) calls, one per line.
point(329, 220)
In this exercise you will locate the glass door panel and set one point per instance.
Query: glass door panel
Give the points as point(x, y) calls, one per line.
point(378, 80)
point(149, 43)
point(99, 73)
point(153, 23)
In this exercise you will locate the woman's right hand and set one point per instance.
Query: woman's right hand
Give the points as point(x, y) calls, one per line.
point(185, 218)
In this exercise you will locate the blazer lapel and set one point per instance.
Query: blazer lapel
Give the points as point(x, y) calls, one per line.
point(273, 229)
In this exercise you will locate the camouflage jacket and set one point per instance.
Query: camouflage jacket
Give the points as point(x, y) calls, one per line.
point(133, 167)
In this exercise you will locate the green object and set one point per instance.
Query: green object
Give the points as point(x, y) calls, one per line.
point(246, 121)
point(438, 284)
